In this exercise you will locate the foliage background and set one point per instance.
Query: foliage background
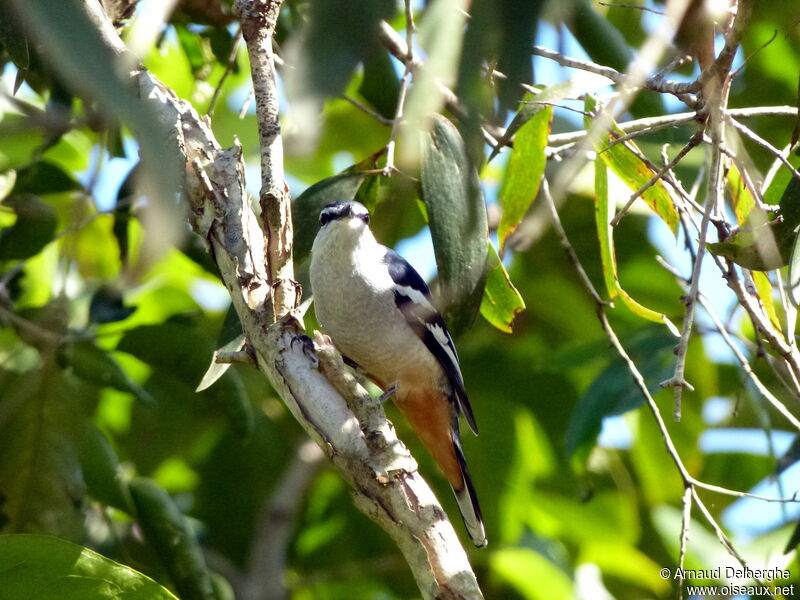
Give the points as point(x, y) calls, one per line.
point(102, 346)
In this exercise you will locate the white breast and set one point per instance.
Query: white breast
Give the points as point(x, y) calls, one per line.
point(354, 304)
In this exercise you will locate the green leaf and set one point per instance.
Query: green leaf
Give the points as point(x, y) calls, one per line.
point(75, 49)
point(336, 37)
point(524, 172)
point(603, 211)
point(742, 200)
point(95, 365)
point(530, 574)
point(607, 46)
point(195, 51)
point(231, 339)
point(101, 469)
point(623, 160)
point(34, 229)
point(501, 301)
point(307, 206)
point(40, 476)
point(44, 178)
point(39, 567)
point(15, 42)
point(613, 391)
point(168, 532)
point(380, 85)
point(7, 181)
point(457, 218)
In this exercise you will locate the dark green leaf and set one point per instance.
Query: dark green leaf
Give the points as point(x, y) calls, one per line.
point(101, 469)
point(307, 206)
point(40, 477)
point(338, 36)
point(501, 301)
point(457, 218)
point(614, 392)
point(192, 45)
point(380, 86)
point(168, 532)
point(107, 307)
point(44, 178)
point(607, 46)
point(14, 40)
point(95, 365)
point(40, 566)
point(221, 42)
point(34, 229)
point(176, 347)
point(516, 37)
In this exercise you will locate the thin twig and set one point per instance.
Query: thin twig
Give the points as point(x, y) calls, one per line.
point(366, 109)
point(714, 198)
point(722, 537)
point(404, 83)
point(675, 120)
point(657, 84)
point(765, 144)
point(228, 69)
point(692, 143)
point(686, 521)
point(726, 337)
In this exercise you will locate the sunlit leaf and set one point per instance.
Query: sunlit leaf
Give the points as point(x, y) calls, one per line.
point(742, 200)
point(501, 301)
point(530, 574)
point(231, 339)
point(764, 245)
point(457, 218)
point(38, 563)
point(524, 172)
point(603, 213)
point(623, 159)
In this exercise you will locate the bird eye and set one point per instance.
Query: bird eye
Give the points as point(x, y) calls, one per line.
point(364, 217)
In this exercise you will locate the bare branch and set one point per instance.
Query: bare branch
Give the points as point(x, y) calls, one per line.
point(266, 566)
point(258, 20)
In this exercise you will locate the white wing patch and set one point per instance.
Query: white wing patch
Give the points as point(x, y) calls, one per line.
point(444, 341)
point(416, 296)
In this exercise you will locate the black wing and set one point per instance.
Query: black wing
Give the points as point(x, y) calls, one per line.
point(413, 298)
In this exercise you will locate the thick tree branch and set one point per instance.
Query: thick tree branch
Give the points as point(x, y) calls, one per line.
point(258, 19)
point(386, 484)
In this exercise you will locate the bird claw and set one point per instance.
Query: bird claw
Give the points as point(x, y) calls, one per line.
point(387, 394)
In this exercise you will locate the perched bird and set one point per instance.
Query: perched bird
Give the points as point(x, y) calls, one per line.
point(378, 312)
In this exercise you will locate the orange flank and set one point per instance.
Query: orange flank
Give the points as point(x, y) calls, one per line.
point(429, 413)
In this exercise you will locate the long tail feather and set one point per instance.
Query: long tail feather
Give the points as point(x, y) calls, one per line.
point(468, 500)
